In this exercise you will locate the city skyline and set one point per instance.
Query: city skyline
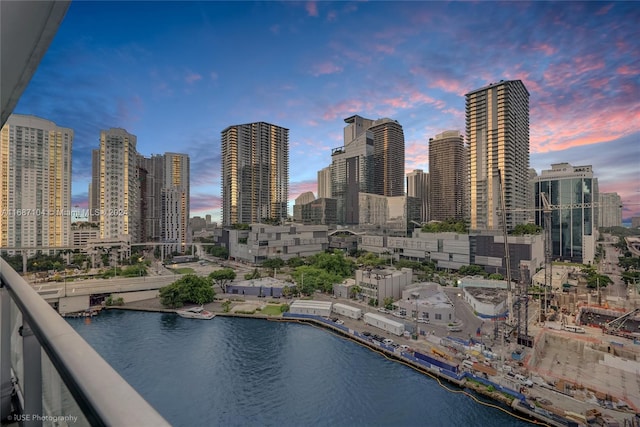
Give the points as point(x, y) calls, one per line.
point(177, 74)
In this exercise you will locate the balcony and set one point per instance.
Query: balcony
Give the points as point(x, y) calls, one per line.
point(50, 376)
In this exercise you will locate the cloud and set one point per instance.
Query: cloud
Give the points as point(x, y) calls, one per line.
point(312, 8)
point(213, 75)
point(192, 77)
point(298, 187)
point(326, 67)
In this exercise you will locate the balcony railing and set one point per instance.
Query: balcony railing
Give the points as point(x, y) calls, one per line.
point(50, 376)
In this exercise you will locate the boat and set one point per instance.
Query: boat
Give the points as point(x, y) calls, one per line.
point(195, 313)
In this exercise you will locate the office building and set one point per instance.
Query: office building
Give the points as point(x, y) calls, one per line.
point(255, 173)
point(497, 129)
point(301, 200)
point(610, 210)
point(119, 186)
point(388, 155)
point(572, 193)
point(352, 169)
point(418, 187)
point(35, 183)
point(447, 176)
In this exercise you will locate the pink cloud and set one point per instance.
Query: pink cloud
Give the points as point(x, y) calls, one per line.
point(192, 78)
point(297, 188)
point(545, 48)
point(311, 8)
point(204, 202)
point(626, 70)
point(604, 10)
point(344, 109)
point(325, 68)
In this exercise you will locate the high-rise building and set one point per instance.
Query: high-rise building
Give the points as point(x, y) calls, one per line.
point(119, 185)
point(94, 187)
point(324, 183)
point(255, 173)
point(497, 128)
point(571, 193)
point(165, 199)
point(151, 171)
point(610, 211)
point(447, 174)
point(352, 169)
point(388, 155)
point(175, 202)
point(418, 187)
point(35, 183)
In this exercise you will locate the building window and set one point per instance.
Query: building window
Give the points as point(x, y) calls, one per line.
point(438, 316)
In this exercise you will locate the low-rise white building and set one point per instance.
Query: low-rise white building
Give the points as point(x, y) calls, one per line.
point(487, 298)
point(378, 284)
point(347, 310)
point(383, 323)
point(316, 308)
point(344, 289)
point(428, 302)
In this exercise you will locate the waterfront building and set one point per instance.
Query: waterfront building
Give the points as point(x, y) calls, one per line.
point(262, 287)
point(35, 183)
point(316, 308)
point(388, 157)
point(487, 298)
point(418, 187)
point(428, 302)
point(447, 174)
point(497, 130)
point(119, 185)
point(610, 210)
point(448, 250)
point(526, 253)
point(324, 183)
point(572, 193)
point(380, 283)
point(255, 173)
point(344, 289)
point(301, 200)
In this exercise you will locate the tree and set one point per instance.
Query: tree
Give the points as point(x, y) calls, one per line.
point(295, 262)
point(595, 279)
point(525, 229)
point(255, 274)
point(273, 263)
point(218, 251)
point(371, 260)
point(355, 291)
point(222, 278)
point(188, 289)
point(388, 303)
point(496, 276)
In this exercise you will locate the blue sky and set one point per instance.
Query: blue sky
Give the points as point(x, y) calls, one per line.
point(175, 74)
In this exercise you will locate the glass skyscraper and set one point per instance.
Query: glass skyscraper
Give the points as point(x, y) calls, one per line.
point(572, 193)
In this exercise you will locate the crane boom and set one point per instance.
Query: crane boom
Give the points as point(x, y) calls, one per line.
point(507, 258)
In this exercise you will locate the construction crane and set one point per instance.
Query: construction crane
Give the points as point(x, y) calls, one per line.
point(548, 276)
point(507, 258)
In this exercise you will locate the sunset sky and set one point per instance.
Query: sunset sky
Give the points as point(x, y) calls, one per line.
point(175, 74)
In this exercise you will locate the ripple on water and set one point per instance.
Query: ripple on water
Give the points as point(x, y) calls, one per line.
point(249, 372)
